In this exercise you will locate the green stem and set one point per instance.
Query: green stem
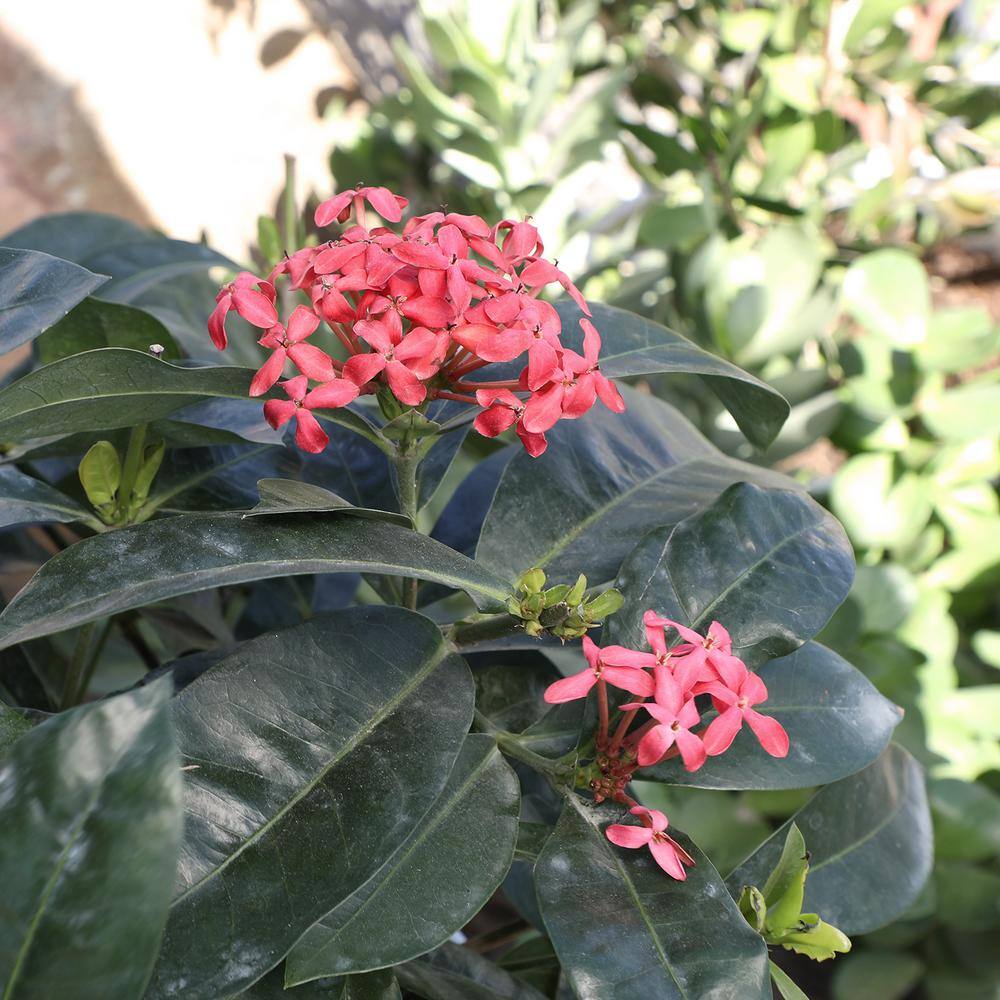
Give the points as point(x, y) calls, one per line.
point(481, 629)
point(406, 461)
point(77, 665)
point(289, 212)
point(87, 674)
point(130, 470)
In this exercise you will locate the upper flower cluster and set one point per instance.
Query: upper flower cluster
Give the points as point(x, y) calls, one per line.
point(674, 678)
point(418, 313)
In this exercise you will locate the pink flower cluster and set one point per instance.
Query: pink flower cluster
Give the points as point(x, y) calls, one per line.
point(674, 678)
point(418, 312)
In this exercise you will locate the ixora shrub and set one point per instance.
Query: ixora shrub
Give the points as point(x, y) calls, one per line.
point(403, 680)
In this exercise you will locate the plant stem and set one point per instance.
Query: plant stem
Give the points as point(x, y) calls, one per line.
point(289, 213)
point(511, 747)
point(602, 708)
point(86, 675)
point(616, 740)
point(130, 470)
point(489, 627)
point(77, 665)
point(406, 460)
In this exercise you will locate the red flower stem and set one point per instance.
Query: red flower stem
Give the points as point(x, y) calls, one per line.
point(602, 708)
point(509, 384)
point(634, 738)
point(625, 799)
point(343, 338)
point(616, 740)
point(464, 366)
point(457, 396)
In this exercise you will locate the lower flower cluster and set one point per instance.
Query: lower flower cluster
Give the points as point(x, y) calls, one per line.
point(674, 686)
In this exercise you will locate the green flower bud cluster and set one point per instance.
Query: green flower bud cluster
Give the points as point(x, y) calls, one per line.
point(562, 610)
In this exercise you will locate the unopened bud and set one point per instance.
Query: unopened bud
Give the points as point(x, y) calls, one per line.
point(605, 604)
point(532, 581)
point(579, 589)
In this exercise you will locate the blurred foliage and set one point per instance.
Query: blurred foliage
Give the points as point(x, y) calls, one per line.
point(766, 178)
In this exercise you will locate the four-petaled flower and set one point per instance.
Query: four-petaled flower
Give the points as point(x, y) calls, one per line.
point(300, 403)
point(676, 715)
point(667, 853)
point(627, 678)
point(735, 706)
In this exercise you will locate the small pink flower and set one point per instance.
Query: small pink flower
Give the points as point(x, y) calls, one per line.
point(667, 853)
point(252, 298)
point(706, 657)
point(578, 686)
point(309, 436)
point(676, 714)
point(338, 208)
point(287, 344)
point(501, 410)
point(734, 707)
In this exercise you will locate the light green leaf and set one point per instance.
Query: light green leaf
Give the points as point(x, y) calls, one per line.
point(886, 291)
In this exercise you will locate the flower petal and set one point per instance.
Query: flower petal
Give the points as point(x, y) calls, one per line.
point(665, 855)
point(628, 836)
point(629, 679)
point(309, 436)
point(336, 392)
point(769, 731)
point(654, 745)
point(692, 749)
point(570, 688)
point(269, 373)
point(722, 731)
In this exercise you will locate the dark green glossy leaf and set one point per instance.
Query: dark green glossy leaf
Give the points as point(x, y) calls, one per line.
point(136, 258)
point(94, 324)
point(287, 496)
point(455, 973)
point(433, 885)
point(25, 500)
point(379, 985)
point(180, 555)
point(623, 928)
point(634, 345)
point(36, 291)
point(313, 754)
point(870, 841)
point(605, 481)
point(91, 819)
point(836, 720)
point(771, 565)
point(108, 388)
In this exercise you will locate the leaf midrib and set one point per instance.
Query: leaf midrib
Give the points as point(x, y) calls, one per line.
point(601, 511)
point(359, 737)
point(384, 876)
